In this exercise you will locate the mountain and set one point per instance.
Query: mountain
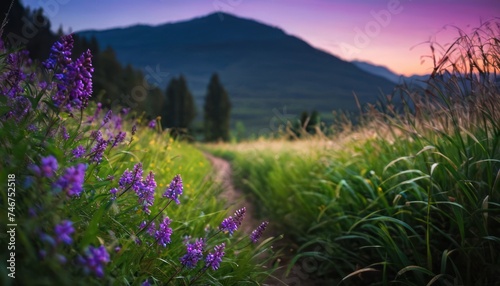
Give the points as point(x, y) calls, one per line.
point(266, 71)
point(386, 73)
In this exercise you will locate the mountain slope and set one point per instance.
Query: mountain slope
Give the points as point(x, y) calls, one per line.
point(386, 73)
point(262, 67)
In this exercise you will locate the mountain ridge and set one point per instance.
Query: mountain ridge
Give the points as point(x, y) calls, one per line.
point(262, 67)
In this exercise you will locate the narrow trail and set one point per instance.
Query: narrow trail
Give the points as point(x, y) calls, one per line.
point(236, 199)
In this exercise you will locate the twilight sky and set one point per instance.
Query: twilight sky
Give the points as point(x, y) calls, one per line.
point(384, 32)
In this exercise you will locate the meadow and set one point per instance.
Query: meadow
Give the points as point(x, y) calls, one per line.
point(104, 197)
point(410, 195)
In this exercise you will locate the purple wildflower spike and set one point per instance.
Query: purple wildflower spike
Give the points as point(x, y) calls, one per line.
point(257, 233)
point(194, 253)
point(175, 189)
point(214, 259)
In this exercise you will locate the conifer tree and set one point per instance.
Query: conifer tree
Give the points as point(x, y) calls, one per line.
point(217, 111)
point(179, 108)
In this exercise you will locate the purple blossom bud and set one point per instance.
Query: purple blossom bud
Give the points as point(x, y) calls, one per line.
point(120, 137)
point(60, 53)
point(47, 167)
point(113, 192)
point(257, 233)
point(214, 259)
point(175, 189)
point(152, 124)
point(107, 117)
point(64, 133)
point(94, 260)
point(78, 152)
point(194, 253)
point(162, 235)
point(72, 180)
point(146, 192)
point(63, 232)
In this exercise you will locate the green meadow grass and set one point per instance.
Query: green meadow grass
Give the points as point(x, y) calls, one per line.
point(70, 227)
point(410, 197)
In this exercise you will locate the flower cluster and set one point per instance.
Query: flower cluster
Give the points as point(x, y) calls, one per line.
point(94, 260)
point(214, 259)
point(47, 167)
point(194, 253)
point(100, 146)
point(63, 231)
point(74, 78)
point(145, 190)
point(232, 223)
point(175, 189)
point(72, 180)
point(257, 233)
point(162, 235)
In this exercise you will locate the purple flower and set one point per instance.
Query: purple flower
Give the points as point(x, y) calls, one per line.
point(131, 177)
point(228, 224)
point(94, 260)
point(214, 259)
point(107, 117)
point(164, 232)
point(98, 150)
point(113, 192)
point(47, 167)
point(175, 189)
point(13, 77)
point(146, 192)
point(74, 83)
point(151, 228)
point(146, 283)
point(152, 124)
point(72, 180)
point(79, 151)
point(60, 53)
point(239, 215)
point(120, 137)
point(19, 108)
point(134, 129)
point(194, 253)
point(231, 224)
point(64, 133)
point(257, 233)
point(63, 232)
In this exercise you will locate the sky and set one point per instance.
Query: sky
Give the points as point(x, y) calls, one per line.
point(392, 33)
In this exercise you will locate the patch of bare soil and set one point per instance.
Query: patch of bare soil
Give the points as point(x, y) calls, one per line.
point(301, 273)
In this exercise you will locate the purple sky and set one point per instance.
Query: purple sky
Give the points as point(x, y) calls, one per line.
point(384, 32)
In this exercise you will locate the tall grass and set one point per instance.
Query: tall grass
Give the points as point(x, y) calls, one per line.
point(415, 198)
point(80, 209)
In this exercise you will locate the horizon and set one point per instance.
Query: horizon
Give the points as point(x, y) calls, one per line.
point(394, 34)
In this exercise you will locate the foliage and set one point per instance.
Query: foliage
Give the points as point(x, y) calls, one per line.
point(413, 196)
point(115, 85)
point(91, 191)
point(217, 111)
point(179, 109)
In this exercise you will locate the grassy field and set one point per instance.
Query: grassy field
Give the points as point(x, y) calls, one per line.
point(409, 197)
point(99, 197)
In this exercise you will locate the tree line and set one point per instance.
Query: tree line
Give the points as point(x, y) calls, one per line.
point(116, 85)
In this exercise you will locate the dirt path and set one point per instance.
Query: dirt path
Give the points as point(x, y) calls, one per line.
point(236, 199)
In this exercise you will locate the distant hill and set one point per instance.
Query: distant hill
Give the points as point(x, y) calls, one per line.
point(386, 73)
point(264, 69)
